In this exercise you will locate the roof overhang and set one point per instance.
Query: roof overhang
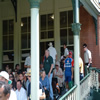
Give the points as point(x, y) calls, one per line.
point(92, 6)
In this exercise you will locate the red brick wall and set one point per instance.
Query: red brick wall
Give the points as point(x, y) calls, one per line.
point(88, 36)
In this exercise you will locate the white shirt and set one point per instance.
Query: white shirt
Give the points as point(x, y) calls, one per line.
point(53, 52)
point(13, 95)
point(87, 56)
point(66, 52)
point(21, 95)
point(28, 62)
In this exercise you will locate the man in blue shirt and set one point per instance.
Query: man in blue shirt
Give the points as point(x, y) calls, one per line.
point(68, 64)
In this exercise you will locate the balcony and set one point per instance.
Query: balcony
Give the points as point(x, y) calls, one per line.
point(89, 87)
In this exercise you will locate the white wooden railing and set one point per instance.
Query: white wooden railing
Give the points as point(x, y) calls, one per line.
point(90, 81)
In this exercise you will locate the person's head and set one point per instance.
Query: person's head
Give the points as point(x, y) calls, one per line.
point(64, 45)
point(47, 53)
point(85, 46)
point(28, 74)
point(41, 65)
point(17, 66)
point(4, 76)
point(43, 74)
point(19, 84)
point(57, 65)
point(11, 76)
point(70, 54)
point(21, 76)
point(7, 67)
point(50, 44)
point(4, 91)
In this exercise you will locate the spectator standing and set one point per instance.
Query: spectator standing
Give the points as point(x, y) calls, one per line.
point(4, 91)
point(53, 52)
point(21, 92)
point(81, 67)
point(27, 64)
point(68, 64)
point(48, 67)
point(87, 58)
point(4, 76)
point(66, 52)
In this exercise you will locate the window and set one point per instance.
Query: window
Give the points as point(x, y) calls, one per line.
point(47, 26)
point(25, 39)
point(66, 34)
point(8, 42)
point(46, 32)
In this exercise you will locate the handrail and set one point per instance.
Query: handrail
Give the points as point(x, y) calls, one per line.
point(84, 78)
point(94, 68)
point(65, 95)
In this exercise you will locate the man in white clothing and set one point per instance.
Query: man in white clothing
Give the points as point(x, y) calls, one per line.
point(21, 92)
point(27, 63)
point(53, 52)
point(66, 52)
point(4, 76)
point(87, 58)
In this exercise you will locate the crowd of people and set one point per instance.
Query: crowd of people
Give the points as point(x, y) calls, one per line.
point(54, 75)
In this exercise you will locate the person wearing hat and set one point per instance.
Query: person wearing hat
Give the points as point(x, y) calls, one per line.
point(57, 73)
point(4, 76)
point(53, 52)
point(68, 65)
point(28, 74)
point(87, 58)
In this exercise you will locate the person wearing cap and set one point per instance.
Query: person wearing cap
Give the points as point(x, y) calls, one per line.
point(68, 65)
point(66, 52)
point(4, 76)
point(87, 58)
point(48, 67)
point(53, 52)
point(57, 73)
point(4, 91)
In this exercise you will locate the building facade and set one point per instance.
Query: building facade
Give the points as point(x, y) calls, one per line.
point(56, 17)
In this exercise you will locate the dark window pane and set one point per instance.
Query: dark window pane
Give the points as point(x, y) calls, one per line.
point(24, 41)
point(70, 18)
point(63, 36)
point(5, 27)
point(43, 22)
point(50, 34)
point(44, 35)
point(25, 53)
point(11, 38)
point(29, 24)
point(11, 26)
point(24, 25)
point(71, 40)
point(29, 41)
point(50, 21)
point(62, 51)
point(63, 19)
point(8, 56)
point(5, 43)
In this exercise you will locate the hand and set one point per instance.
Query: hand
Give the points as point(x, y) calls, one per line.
point(72, 76)
point(87, 66)
point(49, 74)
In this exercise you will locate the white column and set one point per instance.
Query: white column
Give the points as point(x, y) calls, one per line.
point(34, 53)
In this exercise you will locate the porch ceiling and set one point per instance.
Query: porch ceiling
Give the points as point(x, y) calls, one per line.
point(92, 6)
